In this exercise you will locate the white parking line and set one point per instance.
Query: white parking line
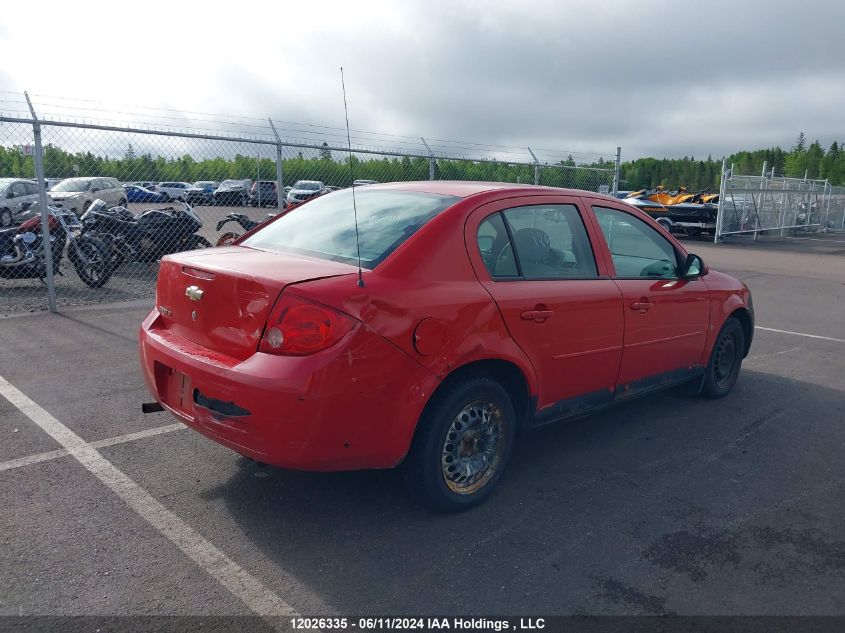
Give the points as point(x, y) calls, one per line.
point(214, 562)
point(111, 441)
point(823, 338)
point(817, 239)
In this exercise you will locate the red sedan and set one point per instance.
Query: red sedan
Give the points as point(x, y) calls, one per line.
point(481, 310)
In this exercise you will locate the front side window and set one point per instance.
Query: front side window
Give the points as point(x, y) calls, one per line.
point(636, 248)
point(324, 227)
point(18, 189)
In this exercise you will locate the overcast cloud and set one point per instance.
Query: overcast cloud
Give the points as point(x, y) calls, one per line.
point(658, 78)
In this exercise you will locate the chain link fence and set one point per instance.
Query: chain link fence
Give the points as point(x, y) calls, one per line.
point(119, 197)
point(779, 206)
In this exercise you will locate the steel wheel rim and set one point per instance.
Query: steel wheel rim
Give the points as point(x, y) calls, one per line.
point(92, 254)
point(473, 447)
point(725, 359)
point(5, 218)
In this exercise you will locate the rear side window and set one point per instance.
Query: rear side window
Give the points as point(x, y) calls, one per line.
point(636, 248)
point(543, 242)
point(325, 228)
point(494, 244)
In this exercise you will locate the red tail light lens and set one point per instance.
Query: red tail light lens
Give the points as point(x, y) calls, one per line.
point(297, 327)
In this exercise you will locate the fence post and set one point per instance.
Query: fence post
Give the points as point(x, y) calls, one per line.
point(536, 167)
point(617, 171)
point(430, 160)
point(42, 203)
point(720, 214)
point(280, 191)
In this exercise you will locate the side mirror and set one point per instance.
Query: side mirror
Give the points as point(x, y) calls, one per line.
point(694, 267)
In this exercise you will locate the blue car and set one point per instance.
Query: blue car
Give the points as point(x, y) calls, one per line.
point(135, 193)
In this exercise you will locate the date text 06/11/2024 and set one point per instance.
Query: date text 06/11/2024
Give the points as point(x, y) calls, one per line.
point(416, 624)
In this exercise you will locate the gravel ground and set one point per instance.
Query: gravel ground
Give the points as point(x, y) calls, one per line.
point(132, 281)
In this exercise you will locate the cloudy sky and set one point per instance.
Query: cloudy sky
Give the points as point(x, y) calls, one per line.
point(661, 78)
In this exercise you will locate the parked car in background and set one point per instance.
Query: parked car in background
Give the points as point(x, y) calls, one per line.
point(76, 194)
point(264, 194)
point(233, 192)
point(305, 190)
point(490, 308)
point(173, 190)
point(201, 192)
point(16, 196)
point(134, 193)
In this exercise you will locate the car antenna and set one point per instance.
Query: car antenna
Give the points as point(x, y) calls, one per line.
point(352, 175)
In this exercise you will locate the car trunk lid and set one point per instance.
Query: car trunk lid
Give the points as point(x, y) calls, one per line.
point(220, 298)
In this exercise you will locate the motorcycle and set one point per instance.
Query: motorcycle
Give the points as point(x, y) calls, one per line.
point(246, 224)
point(147, 236)
point(22, 249)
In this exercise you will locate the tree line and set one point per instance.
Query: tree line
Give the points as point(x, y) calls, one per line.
point(803, 158)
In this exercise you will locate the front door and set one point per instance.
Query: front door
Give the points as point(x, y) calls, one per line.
point(666, 316)
point(539, 267)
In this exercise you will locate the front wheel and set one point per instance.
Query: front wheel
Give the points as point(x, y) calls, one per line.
point(92, 261)
point(194, 242)
point(462, 444)
point(725, 360)
point(5, 218)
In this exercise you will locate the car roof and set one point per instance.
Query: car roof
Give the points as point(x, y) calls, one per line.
point(464, 189)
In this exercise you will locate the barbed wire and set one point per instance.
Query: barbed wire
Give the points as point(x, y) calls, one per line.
point(159, 117)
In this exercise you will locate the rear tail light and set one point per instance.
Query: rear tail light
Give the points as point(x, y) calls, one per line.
point(297, 327)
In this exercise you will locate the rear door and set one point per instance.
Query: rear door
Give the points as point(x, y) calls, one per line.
point(666, 316)
point(534, 257)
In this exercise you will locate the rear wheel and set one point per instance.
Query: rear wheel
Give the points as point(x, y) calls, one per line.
point(227, 238)
point(462, 444)
point(725, 360)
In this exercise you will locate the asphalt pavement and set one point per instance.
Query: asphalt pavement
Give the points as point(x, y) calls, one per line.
point(666, 505)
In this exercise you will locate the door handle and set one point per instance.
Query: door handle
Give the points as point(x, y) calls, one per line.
point(536, 315)
point(643, 305)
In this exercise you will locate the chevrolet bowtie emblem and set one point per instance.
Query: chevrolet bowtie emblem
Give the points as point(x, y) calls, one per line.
point(194, 293)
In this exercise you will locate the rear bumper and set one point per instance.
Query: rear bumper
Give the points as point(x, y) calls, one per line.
point(352, 406)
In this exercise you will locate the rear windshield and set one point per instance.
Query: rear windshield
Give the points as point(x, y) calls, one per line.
point(325, 227)
point(73, 184)
point(304, 185)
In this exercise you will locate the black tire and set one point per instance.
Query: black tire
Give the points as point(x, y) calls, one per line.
point(98, 269)
point(725, 360)
point(454, 432)
point(194, 242)
point(5, 218)
point(123, 202)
